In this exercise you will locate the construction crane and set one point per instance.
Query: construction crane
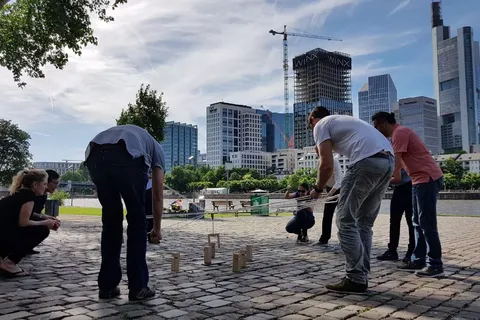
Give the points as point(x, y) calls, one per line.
point(285, 66)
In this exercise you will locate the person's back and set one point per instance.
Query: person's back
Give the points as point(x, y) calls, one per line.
point(352, 137)
point(418, 161)
point(119, 160)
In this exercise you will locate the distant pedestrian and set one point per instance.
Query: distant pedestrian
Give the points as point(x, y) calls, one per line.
point(427, 180)
point(119, 160)
point(362, 190)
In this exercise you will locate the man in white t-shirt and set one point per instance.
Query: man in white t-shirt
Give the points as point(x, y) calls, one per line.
point(370, 169)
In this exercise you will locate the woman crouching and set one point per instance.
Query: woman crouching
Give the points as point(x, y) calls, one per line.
point(18, 234)
point(304, 218)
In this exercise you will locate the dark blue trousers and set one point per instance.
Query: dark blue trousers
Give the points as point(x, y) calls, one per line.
point(117, 175)
point(428, 249)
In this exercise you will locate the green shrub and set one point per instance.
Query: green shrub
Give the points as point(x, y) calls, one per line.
point(60, 196)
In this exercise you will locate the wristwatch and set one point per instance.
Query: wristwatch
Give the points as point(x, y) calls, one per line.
point(318, 190)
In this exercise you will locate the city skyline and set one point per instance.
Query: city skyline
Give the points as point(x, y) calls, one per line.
point(65, 110)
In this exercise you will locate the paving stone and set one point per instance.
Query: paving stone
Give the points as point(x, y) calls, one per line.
point(16, 315)
point(217, 303)
point(175, 313)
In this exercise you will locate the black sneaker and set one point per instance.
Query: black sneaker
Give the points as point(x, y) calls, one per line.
point(109, 294)
point(407, 258)
point(322, 242)
point(410, 266)
point(143, 294)
point(429, 272)
point(347, 286)
point(388, 256)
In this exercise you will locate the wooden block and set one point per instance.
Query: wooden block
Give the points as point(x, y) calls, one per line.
point(212, 247)
point(243, 258)
point(217, 235)
point(249, 249)
point(236, 262)
point(175, 262)
point(207, 255)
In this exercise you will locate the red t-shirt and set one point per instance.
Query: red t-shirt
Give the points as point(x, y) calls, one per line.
point(416, 159)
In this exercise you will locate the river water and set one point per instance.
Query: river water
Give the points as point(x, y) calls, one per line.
point(450, 207)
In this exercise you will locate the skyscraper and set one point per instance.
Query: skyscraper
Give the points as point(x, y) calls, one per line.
point(420, 115)
point(274, 130)
point(180, 144)
point(456, 74)
point(231, 128)
point(378, 94)
point(322, 78)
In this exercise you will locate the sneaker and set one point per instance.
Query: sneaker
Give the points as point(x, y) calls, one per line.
point(429, 272)
point(388, 256)
point(410, 266)
point(299, 238)
point(407, 258)
point(322, 242)
point(143, 294)
point(109, 294)
point(347, 286)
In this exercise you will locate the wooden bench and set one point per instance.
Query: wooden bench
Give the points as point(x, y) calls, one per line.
point(227, 204)
point(246, 204)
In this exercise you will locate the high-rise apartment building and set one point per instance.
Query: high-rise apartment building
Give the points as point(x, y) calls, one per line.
point(60, 167)
point(322, 78)
point(420, 115)
point(456, 73)
point(231, 128)
point(180, 144)
point(274, 130)
point(377, 94)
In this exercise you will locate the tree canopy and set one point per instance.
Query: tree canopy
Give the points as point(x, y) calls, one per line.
point(14, 151)
point(148, 112)
point(34, 33)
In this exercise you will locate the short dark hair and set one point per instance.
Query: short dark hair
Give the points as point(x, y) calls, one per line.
point(383, 116)
point(305, 186)
point(52, 175)
point(320, 112)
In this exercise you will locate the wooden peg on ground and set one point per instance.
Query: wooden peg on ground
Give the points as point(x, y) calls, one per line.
point(175, 262)
point(243, 258)
point(207, 255)
point(217, 235)
point(212, 249)
point(249, 249)
point(236, 262)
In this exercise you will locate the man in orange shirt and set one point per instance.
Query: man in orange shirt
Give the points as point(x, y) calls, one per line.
point(427, 180)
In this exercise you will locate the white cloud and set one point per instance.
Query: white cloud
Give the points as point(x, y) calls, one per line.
point(196, 52)
point(399, 7)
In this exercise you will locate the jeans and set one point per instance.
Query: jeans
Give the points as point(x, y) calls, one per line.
point(361, 194)
point(303, 220)
point(117, 175)
point(17, 243)
point(428, 249)
point(401, 202)
point(328, 212)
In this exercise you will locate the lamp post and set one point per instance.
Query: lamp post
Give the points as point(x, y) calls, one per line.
point(228, 167)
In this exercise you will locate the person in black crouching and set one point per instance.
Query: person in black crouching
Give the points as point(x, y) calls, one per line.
point(303, 219)
point(18, 233)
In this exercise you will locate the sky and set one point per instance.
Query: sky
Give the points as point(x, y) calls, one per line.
point(201, 52)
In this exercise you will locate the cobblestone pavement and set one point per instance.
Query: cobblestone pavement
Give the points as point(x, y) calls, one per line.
point(285, 280)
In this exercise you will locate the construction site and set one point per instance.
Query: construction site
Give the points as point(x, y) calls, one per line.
point(320, 78)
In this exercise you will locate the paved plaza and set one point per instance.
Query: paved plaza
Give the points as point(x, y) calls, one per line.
point(285, 280)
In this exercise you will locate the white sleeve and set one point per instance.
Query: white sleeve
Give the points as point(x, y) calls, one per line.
point(337, 172)
point(321, 131)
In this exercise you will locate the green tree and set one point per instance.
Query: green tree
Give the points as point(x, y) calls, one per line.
point(454, 167)
point(76, 176)
point(179, 179)
point(471, 181)
point(34, 33)
point(14, 151)
point(450, 181)
point(199, 185)
point(148, 112)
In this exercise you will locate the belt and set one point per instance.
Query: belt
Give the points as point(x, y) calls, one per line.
point(382, 154)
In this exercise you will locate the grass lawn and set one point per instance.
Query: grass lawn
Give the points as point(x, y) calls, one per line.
point(83, 211)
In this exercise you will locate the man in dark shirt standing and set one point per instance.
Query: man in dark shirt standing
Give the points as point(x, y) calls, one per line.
point(119, 160)
point(39, 204)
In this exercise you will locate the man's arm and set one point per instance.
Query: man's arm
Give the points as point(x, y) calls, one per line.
point(157, 198)
point(397, 173)
point(325, 169)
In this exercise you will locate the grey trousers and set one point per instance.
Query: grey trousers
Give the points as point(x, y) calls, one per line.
point(361, 194)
